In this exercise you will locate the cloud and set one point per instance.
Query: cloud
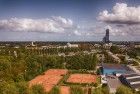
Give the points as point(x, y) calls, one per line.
point(121, 14)
point(49, 25)
point(123, 20)
point(76, 32)
point(125, 30)
point(114, 31)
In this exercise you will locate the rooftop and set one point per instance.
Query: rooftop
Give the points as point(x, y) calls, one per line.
point(115, 66)
point(131, 75)
point(135, 85)
point(113, 83)
point(133, 80)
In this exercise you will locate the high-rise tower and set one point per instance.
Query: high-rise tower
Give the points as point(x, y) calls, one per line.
point(106, 37)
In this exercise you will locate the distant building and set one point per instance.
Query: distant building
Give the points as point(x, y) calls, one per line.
point(32, 44)
point(107, 45)
point(16, 47)
point(137, 46)
point(72, 45)
point(97, 45)
point(106, 37)
point(61, 54)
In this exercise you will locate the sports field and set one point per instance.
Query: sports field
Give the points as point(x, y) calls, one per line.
point(49, 79)
point(82, 78)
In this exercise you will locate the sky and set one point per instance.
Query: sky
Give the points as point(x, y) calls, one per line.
point(69, 20)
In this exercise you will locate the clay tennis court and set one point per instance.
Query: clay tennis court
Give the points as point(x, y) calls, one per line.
point(49, 79)
point(64, 90)
point(82, 78)
point(56, 72)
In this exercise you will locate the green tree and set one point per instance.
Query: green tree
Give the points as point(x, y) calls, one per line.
point(22, 87)
point(98, 91)
point(105, 90)
point(82, 61)
point(76, 90)
point(8, 88)
point(114, 49)
point(37, 89)
point(124, 90)
point(55, 90)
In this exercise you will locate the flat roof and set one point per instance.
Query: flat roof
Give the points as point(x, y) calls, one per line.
point(112, 66)
point(115, 66)
point(113, 82)
point(131, 75)
point(133, 80)
point(135, 86)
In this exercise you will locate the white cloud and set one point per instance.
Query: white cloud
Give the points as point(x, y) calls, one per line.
point(52, 25)
point(121, 14)
point(76, 32)
point(123, 20)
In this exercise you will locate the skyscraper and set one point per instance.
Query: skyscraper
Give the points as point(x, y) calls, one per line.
point(106, 37)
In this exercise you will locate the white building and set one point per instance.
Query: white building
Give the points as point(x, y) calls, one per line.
point(32, 44)
point(72, 45)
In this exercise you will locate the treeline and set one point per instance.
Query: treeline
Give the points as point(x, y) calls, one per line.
point(27, 67)
point(43, 51)
point(133, 52)
point(87, 62)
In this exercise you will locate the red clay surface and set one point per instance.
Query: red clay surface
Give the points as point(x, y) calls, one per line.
point(50, 79)
point(82, 78)
point(56, 72)
point(64, 90)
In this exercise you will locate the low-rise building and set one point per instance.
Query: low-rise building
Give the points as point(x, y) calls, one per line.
point(72, 45)
point(131, 80)
point(114, 69)
point(113, 83)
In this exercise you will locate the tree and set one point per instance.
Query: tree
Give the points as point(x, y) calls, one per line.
point(76, 90)
point(37, 89)
point(82, 61)
point(8, 88)
point(132, 53)
point(22, 87)
point(101, 90)
point(98, 91)
point(55, 90)
point(105, 90)
point(114, 49)
point(124, 90)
